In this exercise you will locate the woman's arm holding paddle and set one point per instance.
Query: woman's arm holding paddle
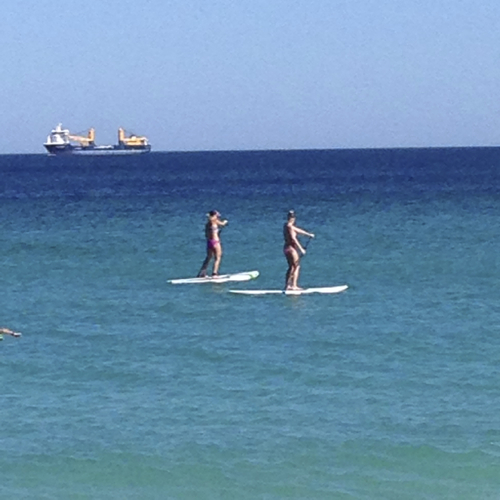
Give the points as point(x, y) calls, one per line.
point(304, 233)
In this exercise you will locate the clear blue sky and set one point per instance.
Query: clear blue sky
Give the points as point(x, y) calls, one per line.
point(259, 74)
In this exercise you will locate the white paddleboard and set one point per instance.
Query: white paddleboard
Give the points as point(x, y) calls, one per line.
point(223, 278)
point(305, 291)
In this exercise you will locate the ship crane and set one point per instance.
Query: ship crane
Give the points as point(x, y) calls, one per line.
point(89, 140)
point(132, 140)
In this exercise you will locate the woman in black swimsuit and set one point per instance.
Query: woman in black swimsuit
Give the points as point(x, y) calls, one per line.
point(291, 250)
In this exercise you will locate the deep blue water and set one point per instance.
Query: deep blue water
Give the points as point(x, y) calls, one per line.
point(124, 386)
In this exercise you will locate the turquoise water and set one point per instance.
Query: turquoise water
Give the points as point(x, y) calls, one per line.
point(123, 386)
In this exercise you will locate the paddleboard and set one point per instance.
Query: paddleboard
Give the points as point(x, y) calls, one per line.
point(223, 278)
point(305, 291)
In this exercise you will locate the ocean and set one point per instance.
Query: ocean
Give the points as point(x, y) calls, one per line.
point(126, 387)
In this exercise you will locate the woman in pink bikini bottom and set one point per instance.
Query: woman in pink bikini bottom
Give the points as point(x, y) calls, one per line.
point(214, 248)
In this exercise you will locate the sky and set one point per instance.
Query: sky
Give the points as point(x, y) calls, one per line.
point(198, 75)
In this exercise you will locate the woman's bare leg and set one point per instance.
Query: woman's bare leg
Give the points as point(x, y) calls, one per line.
point(293, 261)
point(217, 258)
point(287, 276)
point(296, 272)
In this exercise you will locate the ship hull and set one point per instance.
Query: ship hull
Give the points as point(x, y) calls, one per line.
point(69, 150)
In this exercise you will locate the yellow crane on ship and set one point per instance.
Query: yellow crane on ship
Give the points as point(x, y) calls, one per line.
point(86, 141)
point(132, 140)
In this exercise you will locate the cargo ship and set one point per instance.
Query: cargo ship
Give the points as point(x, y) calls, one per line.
point(62, 142)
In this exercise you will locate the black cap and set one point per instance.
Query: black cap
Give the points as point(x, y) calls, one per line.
point(291, 213)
